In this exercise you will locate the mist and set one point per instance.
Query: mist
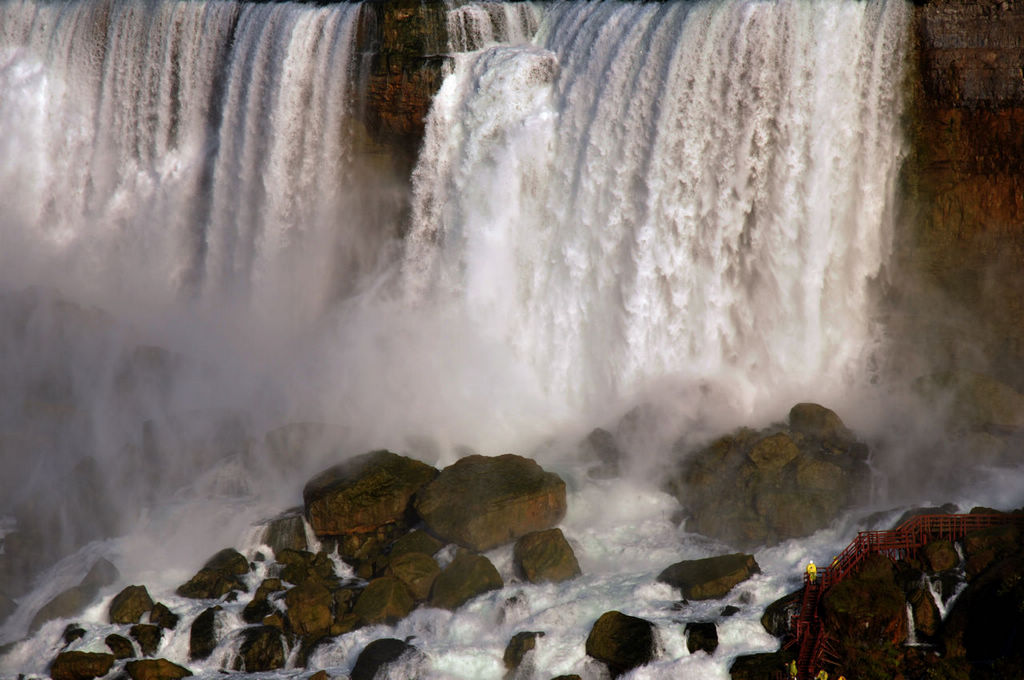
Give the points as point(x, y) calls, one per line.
point(194, 255)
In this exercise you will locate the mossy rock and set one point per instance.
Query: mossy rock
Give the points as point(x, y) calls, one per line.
point(309, 609)
point(155, 669)
point(363, 493)
point(545, 556)
point(384, 600)
point(417, 571)
point(621, 642)
point(482, 502)
point(418, 541)
point(80, 665)
point(711, 577)
point(130, 604)
point(468, 576)
point(120, 646)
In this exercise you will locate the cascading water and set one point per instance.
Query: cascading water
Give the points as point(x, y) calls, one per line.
point(609, 196)
point(699, 189)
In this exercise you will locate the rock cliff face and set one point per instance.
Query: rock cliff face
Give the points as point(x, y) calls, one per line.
point(964, 179)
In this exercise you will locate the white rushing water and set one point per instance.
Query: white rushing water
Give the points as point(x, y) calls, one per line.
point(613, 199)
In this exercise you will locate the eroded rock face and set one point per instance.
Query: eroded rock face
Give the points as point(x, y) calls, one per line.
point(364, 493)
point(711, 577)
point(622, 642)
point(752, 488)
point(482, 502)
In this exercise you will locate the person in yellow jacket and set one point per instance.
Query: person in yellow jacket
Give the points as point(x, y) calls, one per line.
point(812, 571)
point(822, 675)
point(792, 669)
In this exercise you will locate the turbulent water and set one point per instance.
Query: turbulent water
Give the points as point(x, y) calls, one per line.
point(693, 200)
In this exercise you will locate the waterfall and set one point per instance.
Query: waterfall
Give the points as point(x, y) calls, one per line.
point(670, 189)
point(190, 147)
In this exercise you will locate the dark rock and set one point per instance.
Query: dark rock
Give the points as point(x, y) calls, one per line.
point(925, 612)
point(985, 546)
point(364, 493)
point(778, 615)
point(567, 677)
point(163, 617)
point(155, 669)
point(417, 571)
point(203, 635)
point(621, 642)
point(711, 577)
point(309, 609)
point(467, 576)
point(320, 675)
point(481, 502)
point(80, 665)
point(72, 632)
point(209, 584)
point(600, 446)
point(732, 610)
point(518, 646)
point(262, 650)
point(259, 607)
point(545, 556)
point(228, 561)
point(286, 531)
point(148, 636)
point(384, 600)
point(701, 636)
point(130, 604)
point(120, 646)
point(378, 655)
point(940, 556)
point(759, 666)
point(986, 621)
point(301, 566)
point(752, 488)
point(418, 541)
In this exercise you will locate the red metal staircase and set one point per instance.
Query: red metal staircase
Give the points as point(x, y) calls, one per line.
point(903, 542)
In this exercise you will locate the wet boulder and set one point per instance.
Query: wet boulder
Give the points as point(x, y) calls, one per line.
point(120, 646)
point(711, 577)
point(417, 571)
point(286, 531)
point(130, 604)
point(621, 642)
point(468, 576)
point(259, 607)
point(939, 556)
point(309, 609)
point(380, 654)
point(262, 649)
point(384, 600)
point(300, 566)
point(482, 502)
point(518, 647)
point(545, 556)
point(986, 546)
point(752, 488)
point(202, 638)
point(759, 666)
point(417, 541)
point(80, 665)
point(148, 636)
point(218, 577)
point(364, 493)
point(701, 636)
point(155, 669)
point(778, 615)
point(163, 617)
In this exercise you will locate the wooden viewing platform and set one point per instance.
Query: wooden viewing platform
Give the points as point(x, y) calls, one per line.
point(903, 542)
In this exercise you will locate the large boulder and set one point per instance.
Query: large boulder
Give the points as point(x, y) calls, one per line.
point(711, 577)
point(202, 639)
point(155, 669)
point(467, 576)
point(218, 577)
point(752, 488)
point(482, 502)
point(545, 556)
point(80, 665)
point(130, 604)
point(286, 531)
point(299, 566)
point(148, 636)
point(309, 609)
point(384, 600)
point(120, 646)
point(417, 571)
point(262, 650)
point(364, 493)
point(621, 642)
point(778, 615)
point(380, 654)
